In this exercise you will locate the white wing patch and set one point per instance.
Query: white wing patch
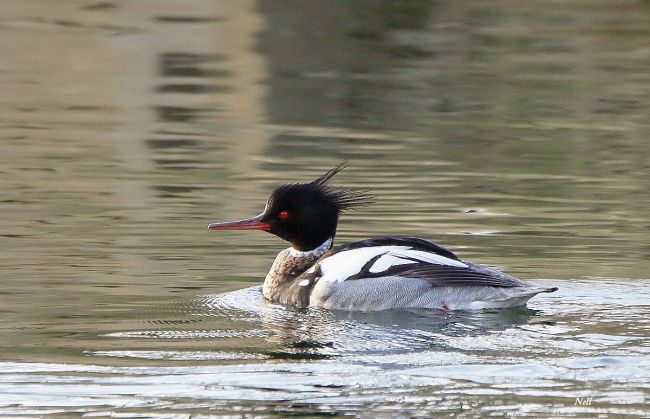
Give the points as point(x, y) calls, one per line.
point(430, 257)
point(342, 265)
point(388, 260)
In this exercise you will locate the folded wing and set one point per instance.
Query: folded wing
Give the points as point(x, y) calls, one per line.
point(407, 258)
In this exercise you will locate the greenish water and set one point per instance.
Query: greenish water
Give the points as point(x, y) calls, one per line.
point(515, 135)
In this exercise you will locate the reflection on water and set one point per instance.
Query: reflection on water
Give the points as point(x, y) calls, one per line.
point(539, 359)
point(516, 136)
point(313, 330)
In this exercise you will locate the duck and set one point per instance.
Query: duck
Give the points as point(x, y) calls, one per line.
point(381, 273)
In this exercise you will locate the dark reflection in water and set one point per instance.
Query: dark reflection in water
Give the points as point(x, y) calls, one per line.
point(173, 143)
point(329, 334)
point(192, 88)
point(315, 332)
point(179, 64)
point(179, 113)
point(349, 78)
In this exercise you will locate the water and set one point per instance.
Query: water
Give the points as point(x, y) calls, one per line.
point(517, 136)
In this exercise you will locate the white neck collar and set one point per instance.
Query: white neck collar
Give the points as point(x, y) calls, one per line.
point(327, 245)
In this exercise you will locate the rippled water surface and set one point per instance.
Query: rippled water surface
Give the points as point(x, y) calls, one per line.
point(517, 136)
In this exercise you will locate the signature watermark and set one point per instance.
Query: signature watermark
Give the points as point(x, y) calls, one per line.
point(583, 401)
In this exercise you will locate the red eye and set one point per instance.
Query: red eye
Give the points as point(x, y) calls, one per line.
point(283, 215)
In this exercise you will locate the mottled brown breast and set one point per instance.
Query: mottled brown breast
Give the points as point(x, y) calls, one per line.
point(284, 284)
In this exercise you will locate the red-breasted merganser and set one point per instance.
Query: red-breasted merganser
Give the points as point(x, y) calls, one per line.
point(374, 274)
